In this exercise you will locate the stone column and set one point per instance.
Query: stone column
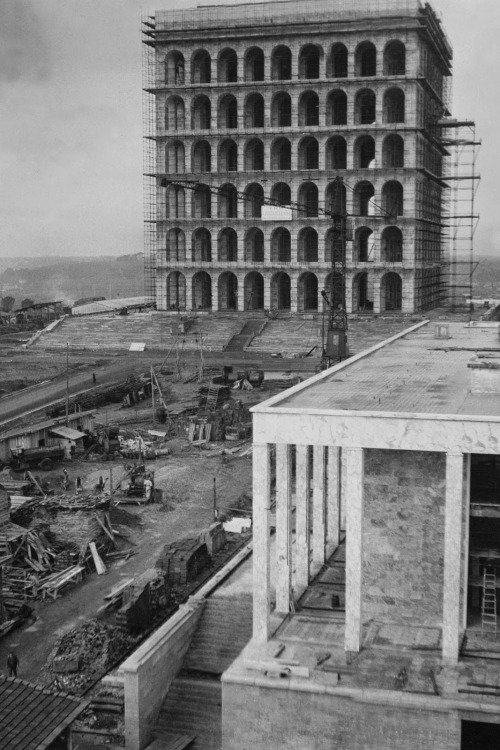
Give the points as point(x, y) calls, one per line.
point(189, 291)
point(333, 501)
point(318, 506)
point(354, 491)
point(302, 540)
point(261, 542)
point(453, 529)
point(283, 529)
point(465, 537)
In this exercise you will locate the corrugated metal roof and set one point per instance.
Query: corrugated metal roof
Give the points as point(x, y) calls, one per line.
point(68, 432)
point(39, 426)
point(32, 718)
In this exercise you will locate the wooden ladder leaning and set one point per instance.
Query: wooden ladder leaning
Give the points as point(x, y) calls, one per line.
point(489, 603)
point(212, 397)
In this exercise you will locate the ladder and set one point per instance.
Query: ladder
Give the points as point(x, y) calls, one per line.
point(489, 604)
point(212, 397)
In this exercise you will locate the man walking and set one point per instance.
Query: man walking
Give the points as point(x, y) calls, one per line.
point(12, 664)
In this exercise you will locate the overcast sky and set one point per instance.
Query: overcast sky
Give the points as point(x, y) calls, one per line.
point(71, 121)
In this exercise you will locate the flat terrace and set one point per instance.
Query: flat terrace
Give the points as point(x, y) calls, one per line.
point(415, 373)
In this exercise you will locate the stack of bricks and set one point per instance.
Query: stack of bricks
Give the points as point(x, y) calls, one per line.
point(181, 561)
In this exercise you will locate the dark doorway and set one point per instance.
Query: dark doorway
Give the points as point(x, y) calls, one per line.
point(478, 735)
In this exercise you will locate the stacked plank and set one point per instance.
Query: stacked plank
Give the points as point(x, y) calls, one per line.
point(53, 584)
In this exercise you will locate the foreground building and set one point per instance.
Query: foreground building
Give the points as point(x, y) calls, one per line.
point(266, 104)
point(375, 604)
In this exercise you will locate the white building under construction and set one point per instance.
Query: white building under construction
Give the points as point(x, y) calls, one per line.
point(253, 110)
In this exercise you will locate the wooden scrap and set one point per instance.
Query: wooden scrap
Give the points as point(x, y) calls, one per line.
point(99, 565)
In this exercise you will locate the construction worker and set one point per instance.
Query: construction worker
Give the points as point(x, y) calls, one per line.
point(12, 663)
point(148, 488)
point(94, 378)
point(100, 485)
point(78, 485)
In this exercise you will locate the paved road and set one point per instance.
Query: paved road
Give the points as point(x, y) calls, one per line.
point(43, 394)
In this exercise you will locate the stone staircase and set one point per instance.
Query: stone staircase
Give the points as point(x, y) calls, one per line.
point(244, 337)
point(193, 704)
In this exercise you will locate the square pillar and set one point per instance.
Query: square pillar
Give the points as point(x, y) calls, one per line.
point(318, 507)
point(453, 530)
point(261, 541)
point(283, 529)
point(333, 500)
point(302, 538)
point(354, 490)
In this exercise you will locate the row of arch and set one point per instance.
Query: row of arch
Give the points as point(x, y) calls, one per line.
point(308, 250)
point(391, 200)
point(308, 291)
point(307, 154)
point(335, 106)
point(366, 60)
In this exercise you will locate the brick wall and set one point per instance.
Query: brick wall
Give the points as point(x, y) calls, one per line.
point(273, 719)
point(403, 536)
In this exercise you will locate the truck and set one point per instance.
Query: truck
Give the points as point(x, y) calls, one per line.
point(43, 457)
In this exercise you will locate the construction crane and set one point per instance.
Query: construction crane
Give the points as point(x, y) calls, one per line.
point(334, 339)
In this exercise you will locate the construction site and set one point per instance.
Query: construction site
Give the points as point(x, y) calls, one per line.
point(257, 507)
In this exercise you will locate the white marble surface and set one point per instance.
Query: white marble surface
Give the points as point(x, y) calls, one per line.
point(354, 547)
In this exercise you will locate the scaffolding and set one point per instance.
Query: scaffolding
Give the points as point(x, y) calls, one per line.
point(460, 219)
point(149, 158)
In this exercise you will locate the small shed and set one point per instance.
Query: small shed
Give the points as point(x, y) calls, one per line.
point(70, 439)
point(45, 434)
point(36, 719)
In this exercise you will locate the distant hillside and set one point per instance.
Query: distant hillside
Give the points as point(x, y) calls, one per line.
point(486, 278)
point(68, 279)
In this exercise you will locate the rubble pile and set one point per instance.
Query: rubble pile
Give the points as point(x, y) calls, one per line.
point(84, 655)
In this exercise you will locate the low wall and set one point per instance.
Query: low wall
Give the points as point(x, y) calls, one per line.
point(149, 672)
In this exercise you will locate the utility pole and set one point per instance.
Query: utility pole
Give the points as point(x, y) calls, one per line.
point(216, 510)
point(67, 383)
point(152, 394)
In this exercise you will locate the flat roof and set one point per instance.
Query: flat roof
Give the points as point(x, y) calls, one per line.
point(46, 425)
point(412, 372)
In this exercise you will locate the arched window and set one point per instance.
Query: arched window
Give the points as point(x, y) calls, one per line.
point(201, 206)
point(281, 291)
point(308, 199)
point(363, 199)
point(201, 67)
point(228, 202)
point(309, 108)
point(254, 291)
point(362, 293)
point(281, 110)
point(307, 289)
point(281, 64)
point(254, 155)
point(202, 291)
point(337, 62)
point(392, 245)
point(363, 243)
point(393, 152)
point(281, 246)
point(175, 202)
point(365, 107)
point(254, 64)
point(395, 59)
point(308, 153)
point(254, 198)
point(174, 68)
point(392, 198)
point(391, 292)
point(227, 246)
point(254, 111)
point(308, 245)
point(176, 291)
point(174, 161)
point(201, 113)
point(228, 112)
point(336, 153)
point(335, 197)
point(394, 106)
point(254, 246)
point(228, 66)
point(364, 152)
point(227, 287)
point(309, 58)
point(228, 156)
point(336, 108)
point(365, 60)
point(175, 245)
point(202, 158)
point(202, 246)
point(174, 114)
point(281, 193)
point(281, 154)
